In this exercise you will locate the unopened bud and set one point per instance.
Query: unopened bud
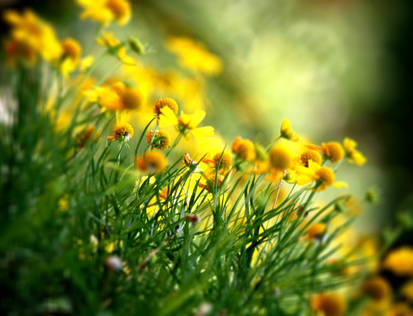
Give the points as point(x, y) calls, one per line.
point(136, 45)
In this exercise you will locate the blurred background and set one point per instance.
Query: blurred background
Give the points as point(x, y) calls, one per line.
point(334, 68)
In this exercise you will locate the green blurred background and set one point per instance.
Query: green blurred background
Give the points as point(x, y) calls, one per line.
point(334, 68)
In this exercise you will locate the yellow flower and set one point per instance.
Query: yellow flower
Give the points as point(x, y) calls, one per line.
point(117, 96)
point(123, 57)
point(378, 288)
point(224, 160)
point(186, 123)
point(31, 34)
point(86, 62)
point(400, 261)
point(108, 40)
point(333, 151)
point(244, 148)
point(325, 178)
point(132, 98)
point(152, 161)
point(115, 47)
point(281, 158)
point(122, 131)
point(314, 172)
point(316, 231)
point(286, 131)
point(158, 139)
point(308, 155)
point(105, 11)
point(353, 155)
point(330, 304)
point(71, 55)
point(108, 98)
point(194, 56)
point(162, 102)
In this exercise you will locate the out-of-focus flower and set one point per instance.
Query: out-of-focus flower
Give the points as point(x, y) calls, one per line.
point(330, 304)
point(316, 231)
point(325, 177)
point(281, 158)
point(378, 289)
point(243, 148)
point(70, 56)
point(107, 39)
point(287, 132)
point(353, 155)
point(333, 151)
point(116, 96)
point(194, 56)
point(123, 57)
point(105, 11)
point(400, 261)
point(151, 161)
point(31, 35)
point(115, 47)
point(86, 62)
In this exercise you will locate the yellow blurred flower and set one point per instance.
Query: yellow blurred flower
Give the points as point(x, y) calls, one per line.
point(194, 56)
point(281, 158)
point(287, 132)
point(31, 34)
point(400, 261)
point(353, 155)
point(105, 11)
point(107, 39)
point(71, 55)
point(333, 151)
point(244, 148)
point(115, 47)
point(316, 231)
point(378, 289)
point(86, 62)
point(151, 161)
point(329, 304)
point(115, 95)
